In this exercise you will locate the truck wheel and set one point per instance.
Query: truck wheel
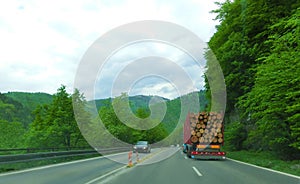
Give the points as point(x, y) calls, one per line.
point(188, 153)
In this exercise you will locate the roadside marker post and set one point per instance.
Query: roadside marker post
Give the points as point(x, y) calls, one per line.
point(130, 159)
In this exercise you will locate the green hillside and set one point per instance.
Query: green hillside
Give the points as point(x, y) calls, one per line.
point(13, 111)
point(142, 101)
point(13, 119)
point(16, 114)
point(24, 103)
point(139, 101)
point(18, 106)
point(30, 100)
point(174, 107)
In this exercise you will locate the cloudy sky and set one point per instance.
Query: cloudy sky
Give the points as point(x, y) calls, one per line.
point(43, 42)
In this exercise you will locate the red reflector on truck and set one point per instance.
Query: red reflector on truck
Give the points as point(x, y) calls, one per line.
point(194, 153)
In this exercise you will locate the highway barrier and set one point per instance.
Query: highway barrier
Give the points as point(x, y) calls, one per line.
point(8, 159)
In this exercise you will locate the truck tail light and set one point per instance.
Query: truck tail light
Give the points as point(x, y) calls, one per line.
point(221, 153)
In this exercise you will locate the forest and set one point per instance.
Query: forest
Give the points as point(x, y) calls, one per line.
point(40, 120)
point(257, 46)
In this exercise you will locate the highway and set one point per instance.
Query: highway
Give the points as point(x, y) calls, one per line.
point(179, 169)
point(152, 168)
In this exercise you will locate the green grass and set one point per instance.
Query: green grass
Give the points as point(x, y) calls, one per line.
point(31, 164)
point(266, 159)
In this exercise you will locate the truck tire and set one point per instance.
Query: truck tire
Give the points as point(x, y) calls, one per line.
point(188, 153)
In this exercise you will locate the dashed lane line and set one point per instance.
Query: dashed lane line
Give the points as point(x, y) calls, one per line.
point(197, 172)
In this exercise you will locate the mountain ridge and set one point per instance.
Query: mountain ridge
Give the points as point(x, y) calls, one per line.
point(26, 103)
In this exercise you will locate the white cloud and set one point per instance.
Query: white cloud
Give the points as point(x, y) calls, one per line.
point(149, 68)
point(42, 42)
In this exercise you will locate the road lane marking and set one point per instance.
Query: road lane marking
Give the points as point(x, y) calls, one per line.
point(60, 164)
point(49, 166)
point(105, 175)
point(196, 170)
point(279, 172)
point(150, 156)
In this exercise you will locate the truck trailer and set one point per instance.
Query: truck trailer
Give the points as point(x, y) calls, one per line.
point(204, 135)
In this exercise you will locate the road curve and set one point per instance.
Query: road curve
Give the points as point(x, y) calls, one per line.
point(152, 168)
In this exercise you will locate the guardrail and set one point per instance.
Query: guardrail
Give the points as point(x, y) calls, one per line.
point(43, 149)
point(7, 159)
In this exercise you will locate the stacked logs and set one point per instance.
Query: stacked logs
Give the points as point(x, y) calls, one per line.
point(206, 127)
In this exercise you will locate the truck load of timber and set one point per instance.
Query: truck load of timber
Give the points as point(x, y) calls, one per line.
point(204, 135)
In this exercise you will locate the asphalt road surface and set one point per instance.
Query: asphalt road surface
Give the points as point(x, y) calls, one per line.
point(152, 168)
point(77, 172)
point(180, 170)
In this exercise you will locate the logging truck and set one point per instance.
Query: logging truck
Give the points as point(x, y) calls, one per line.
point(204, 135)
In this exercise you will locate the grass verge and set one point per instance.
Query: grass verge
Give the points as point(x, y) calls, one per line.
point(268, 160)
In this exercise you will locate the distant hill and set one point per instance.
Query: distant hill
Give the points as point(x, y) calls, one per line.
point(13, 111)
point(142, 101)
point(30, 100)
point(174, 107)
point(18, 106)
point(139, 101)
point(172, 116)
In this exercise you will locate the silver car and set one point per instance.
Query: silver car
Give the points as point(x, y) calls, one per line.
point(142, 146)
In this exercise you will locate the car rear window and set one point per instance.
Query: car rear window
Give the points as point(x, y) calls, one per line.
point(141, 143)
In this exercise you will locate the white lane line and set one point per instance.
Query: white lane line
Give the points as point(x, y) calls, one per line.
point(48, 166)
point(196, 170)
point(60, 164)
point(290, 175)
point(107, 174)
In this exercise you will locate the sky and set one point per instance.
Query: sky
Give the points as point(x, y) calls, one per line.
point(43, 42)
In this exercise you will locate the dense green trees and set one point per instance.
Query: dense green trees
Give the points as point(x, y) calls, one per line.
point(11, 127)
point(53, 121)
point(274, 101)
point(12, 110)
point(54, 124)
point(121, 130)
point(11, 134)
point(257, 46)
